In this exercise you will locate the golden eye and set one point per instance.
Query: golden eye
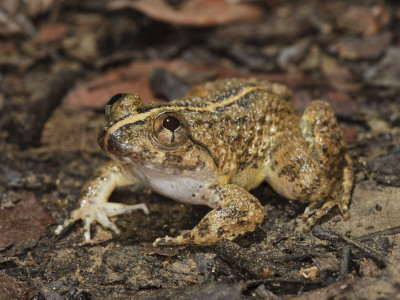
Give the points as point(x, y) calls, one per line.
point(170, 129)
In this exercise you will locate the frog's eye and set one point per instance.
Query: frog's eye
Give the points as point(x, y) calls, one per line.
point(115, 98)
point(109, 106)
point(122, 105)
point(170, 129)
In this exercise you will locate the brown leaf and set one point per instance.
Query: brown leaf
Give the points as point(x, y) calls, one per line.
point(22, 226)
point(192, 12)
point(341, 102)
point(364, 20)
point(53, 32)
point(363, 48)
point(339, 76)
point(135, 79)
point(10, 288)
point(350, 133)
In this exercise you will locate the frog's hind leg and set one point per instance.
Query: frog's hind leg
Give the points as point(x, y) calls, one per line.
point(340, 197)
point(239, 212)
point(309, 163)
point(325, 140)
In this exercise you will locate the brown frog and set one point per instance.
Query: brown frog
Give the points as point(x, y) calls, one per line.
point(211, 147)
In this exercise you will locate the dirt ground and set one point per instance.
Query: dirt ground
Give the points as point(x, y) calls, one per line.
point(61, 61)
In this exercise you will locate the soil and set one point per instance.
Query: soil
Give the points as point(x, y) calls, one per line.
point(60, 62)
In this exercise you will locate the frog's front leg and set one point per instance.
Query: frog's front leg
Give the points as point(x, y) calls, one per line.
point(238, 212)
point(93, 205)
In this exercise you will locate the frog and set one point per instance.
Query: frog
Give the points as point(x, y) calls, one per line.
point(211, 147)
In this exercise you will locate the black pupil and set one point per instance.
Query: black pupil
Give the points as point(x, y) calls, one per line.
point(171, 123)
point(114, 99)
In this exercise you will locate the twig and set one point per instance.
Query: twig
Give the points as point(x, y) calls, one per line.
point(293, 257)
point(305, 283)
point(389, 231)
point(344, 263)
point(324, 234)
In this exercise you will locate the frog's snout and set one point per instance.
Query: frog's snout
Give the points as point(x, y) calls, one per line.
point(111, 143)
point(117, 144)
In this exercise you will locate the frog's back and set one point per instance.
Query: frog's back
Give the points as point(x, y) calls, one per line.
point(235, 120)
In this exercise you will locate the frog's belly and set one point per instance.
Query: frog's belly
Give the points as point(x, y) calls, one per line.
point(178, 187)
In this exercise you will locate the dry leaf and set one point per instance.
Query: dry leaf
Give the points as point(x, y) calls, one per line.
point(22, 226)
point(364, 20)
point(53, 32)
point(11, 288)
point(135, 79)
point(192, 12)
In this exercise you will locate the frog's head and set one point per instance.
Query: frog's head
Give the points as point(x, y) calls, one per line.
point(154, 134)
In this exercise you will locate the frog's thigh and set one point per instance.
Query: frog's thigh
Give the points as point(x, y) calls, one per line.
point(293, 173)
point(325, 140)
point(323, 136)
point(239, 212)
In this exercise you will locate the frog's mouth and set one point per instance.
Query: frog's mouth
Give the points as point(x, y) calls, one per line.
point(102, 139)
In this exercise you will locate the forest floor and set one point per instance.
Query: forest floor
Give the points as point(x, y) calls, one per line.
point(60, 62)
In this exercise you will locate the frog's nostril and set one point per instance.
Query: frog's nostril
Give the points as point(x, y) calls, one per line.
point(115, 98)
point(114, 143)
point(108, 143)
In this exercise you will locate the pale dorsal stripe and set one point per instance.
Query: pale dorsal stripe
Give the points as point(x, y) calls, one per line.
point(211, 107)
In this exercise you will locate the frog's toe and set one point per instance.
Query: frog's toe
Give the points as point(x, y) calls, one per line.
point(312, 214)
point(106, 223)
point(310, 210)
point(344, 209)
point(60, 228)
point(86, 230)
point(115, 209)
point(100, 216)
point(76, 215)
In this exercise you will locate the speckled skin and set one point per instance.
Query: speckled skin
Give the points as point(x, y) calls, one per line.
point(228, 137)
